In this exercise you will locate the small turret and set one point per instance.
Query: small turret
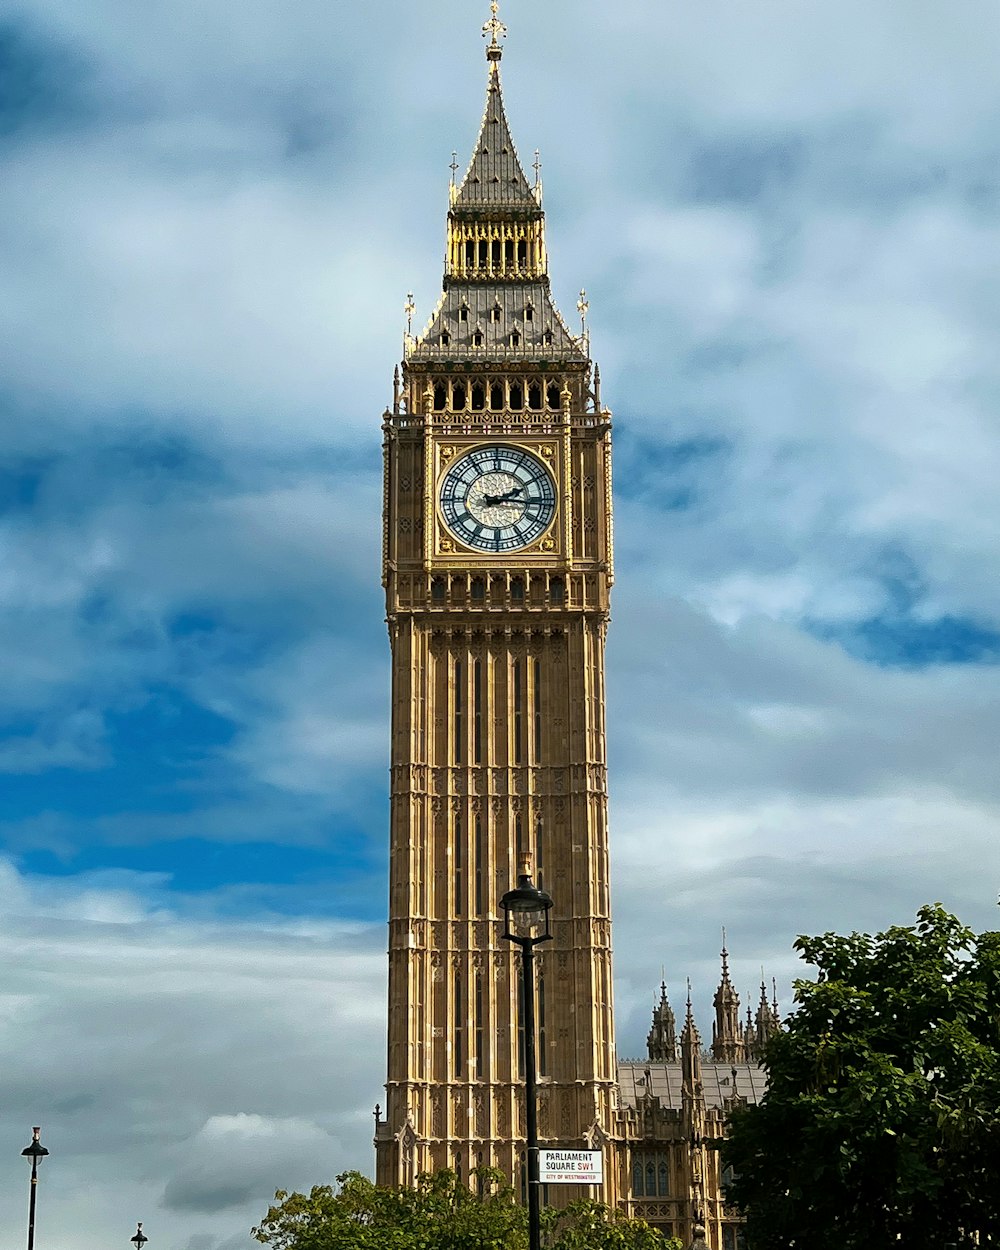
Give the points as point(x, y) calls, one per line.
point(690, 1054)
point(728, 1044)
point(661, 1043)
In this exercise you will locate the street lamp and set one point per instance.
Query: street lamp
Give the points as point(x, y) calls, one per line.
point(140, 1238)
point(36, 1152)
point(526, 923)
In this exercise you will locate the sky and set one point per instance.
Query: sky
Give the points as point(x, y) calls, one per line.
point(785, 216)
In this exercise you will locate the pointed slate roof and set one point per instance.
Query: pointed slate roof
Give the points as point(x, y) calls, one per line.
point(544, 337)
point(494, 178)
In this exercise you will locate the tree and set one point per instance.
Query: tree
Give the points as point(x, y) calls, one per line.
point(881, 1122)
point(440, 1214)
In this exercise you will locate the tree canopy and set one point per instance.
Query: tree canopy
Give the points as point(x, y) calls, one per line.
point(441, 1213)
point(881, 1122)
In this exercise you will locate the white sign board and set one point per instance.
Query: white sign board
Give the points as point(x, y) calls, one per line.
point(570, 1167)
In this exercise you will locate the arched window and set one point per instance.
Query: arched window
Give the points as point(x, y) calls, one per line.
point(516, 394)
point(496, 312)
point(534, 397)
point(552, 395)
point(496, 397)
point(458, 396)
point(440, 397)
point(445, 338)
point(478, 397)
point(477, 341)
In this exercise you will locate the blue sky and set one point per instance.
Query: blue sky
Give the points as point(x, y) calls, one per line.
point(786, 219)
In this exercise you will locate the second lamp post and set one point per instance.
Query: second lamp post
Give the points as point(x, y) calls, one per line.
point(526, 923)
point(36, 1152)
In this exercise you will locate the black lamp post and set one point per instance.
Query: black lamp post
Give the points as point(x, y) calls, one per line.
point(140, 1238)
point(36, 1152)
point(526, 923)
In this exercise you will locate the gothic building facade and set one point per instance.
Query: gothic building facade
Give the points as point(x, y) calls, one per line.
point(498, 568)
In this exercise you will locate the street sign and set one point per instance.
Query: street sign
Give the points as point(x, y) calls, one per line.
point(570, 1167)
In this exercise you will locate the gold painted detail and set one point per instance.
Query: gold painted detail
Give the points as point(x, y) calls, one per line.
point(494, 27)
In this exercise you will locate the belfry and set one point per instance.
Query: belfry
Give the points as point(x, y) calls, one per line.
point(497, 572)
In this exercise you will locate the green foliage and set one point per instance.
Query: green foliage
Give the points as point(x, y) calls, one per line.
point(441, 1214)
point(881, 1123)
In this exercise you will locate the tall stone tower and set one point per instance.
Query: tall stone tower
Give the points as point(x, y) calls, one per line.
point(497, 571)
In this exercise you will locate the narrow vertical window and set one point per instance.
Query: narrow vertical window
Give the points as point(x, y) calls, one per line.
point(539, 848)
point(517, 589)
point(456, 1042)
point(543, 1058)
point(518, 839)
point(480, 1032)
point(537, 675)
point(517, 680)
point(458, 713)
point(456, 866)
point(479, 858)
point(520, 1026)
point(477, 711)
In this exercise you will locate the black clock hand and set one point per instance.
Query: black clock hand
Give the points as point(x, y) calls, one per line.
point(491, 501)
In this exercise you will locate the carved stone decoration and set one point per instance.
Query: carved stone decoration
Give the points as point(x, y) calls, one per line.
point(437, 1113)
point(481, 1119)
point(543, 1114)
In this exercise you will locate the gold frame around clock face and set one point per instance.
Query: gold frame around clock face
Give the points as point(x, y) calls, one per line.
point(497, 498)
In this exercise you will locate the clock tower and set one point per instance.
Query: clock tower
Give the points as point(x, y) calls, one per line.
point(497, 566)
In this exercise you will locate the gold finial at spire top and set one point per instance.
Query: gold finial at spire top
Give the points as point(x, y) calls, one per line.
point(496, 31)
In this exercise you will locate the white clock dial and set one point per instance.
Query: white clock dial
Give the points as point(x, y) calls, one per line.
point(498, 498)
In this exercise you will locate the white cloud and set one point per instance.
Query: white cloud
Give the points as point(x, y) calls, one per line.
point(201, 1064)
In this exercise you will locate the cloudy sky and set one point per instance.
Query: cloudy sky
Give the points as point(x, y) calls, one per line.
point(786, 218)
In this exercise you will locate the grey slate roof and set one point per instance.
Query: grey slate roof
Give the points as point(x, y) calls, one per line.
point(494, 178)
point(637, 1078)
point(512, 298)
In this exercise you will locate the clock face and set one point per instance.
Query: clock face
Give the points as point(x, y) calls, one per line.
point(498, 498)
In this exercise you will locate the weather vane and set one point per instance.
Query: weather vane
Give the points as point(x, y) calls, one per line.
point(494, 27)
point(582, 307)
point(409, 308)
